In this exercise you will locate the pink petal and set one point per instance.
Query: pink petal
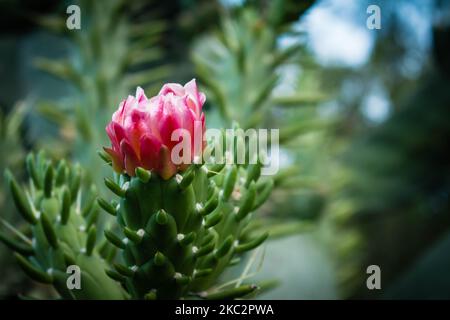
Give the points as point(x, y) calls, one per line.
point(188, 120)
point(156, 113)
point(166, 168)
point(174, 88)
point(116, 158)
point(194, 99)
point(191, 88)
point(135, 126)
point(201, 99)
point(168, 124)
point(149, 151)
point(124, 108)
point(140, 95)
point(112, 135)
point(119, 132)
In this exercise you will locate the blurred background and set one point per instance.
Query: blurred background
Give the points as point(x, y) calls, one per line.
point(364, 119)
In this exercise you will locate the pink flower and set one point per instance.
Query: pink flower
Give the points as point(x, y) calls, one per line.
point(141, 129)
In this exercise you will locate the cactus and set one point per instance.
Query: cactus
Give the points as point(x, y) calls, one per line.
point(61, 232)
point(178, 235)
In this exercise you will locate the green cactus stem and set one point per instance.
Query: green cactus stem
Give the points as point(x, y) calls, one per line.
point(177, 236)
point(61, 231)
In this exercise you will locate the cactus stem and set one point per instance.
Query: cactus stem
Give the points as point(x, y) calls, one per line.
point(214, 219)
point(205, 250)
point(247, 203)
point(92, 217)
point(211, 204)
point(151, 295)
point(215, 169)
point(115, 275)
point(202, 273)
point(88, 207)
point(264, 191)
point(17, 232)
point(31, 168)
point(123, 270)
point(207, 239)
point(24, 249)
point(253, 173)
point(224, 248)
point(33, 272)
point(65, 208)
point(186, 179)
point(143, 174)
point(48, 181)
point(181, 279)
point(69, 259)
point(49, 231)
point(186, 239)
point(21, 201)
point(229, 182)
point(61, 172)
point(91, 239)
point(115, 240)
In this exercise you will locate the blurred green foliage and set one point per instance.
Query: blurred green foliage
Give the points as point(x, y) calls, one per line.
point(116, 49)
point(239, 66)
point(12, 156)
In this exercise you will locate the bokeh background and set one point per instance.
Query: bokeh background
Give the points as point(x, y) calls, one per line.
point(364, 119)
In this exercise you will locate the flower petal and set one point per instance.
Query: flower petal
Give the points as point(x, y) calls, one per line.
point(149, 151)
point(130, 158)
point(166, 168)
point(169, 122)
point(140, 95)
point(141, 129)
